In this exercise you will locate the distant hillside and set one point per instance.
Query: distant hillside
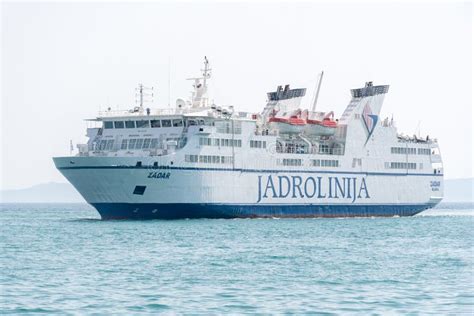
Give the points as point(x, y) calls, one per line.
point(456, 190)
point(459, 190)
point(43, 193)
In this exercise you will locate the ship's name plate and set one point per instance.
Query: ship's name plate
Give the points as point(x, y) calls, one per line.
point(159, 175)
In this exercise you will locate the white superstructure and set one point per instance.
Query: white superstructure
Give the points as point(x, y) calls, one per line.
point(203, 160)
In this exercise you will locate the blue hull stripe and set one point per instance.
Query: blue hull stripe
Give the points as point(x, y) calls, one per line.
point(181, 211)
point(151, 168)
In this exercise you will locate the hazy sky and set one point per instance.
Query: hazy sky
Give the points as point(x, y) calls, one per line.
point(61, 62)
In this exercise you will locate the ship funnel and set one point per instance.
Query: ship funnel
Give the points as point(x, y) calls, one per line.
point(370, 95)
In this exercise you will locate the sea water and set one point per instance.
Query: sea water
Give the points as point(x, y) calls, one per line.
point(61, 258)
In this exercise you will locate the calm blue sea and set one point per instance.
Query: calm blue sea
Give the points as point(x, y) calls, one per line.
point(60, 258)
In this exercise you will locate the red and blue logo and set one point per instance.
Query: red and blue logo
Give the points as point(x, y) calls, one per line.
point(370, 120)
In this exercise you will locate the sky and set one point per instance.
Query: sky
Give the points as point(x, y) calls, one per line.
point(63, 62)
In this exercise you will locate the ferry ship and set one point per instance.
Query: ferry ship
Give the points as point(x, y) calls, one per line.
point(202, 160)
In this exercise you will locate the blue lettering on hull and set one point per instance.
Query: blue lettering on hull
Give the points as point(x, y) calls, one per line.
point(294, 187)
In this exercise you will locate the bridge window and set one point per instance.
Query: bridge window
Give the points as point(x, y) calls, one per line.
point(119, 124)
point(155, 123)
point(109, 145)
point(177, 123)
point(131, 144)
point(129, 124)
point(124, 144)
point(139, 143)
point(165, 123)
point(142, 124)
point(154, 143)
point(108, 124)
point(146, 143)
point(102, 144)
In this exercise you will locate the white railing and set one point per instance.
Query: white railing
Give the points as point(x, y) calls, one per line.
point(118, 113)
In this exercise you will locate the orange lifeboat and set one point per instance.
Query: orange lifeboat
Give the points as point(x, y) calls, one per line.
point(325, 126)
point(293, 124)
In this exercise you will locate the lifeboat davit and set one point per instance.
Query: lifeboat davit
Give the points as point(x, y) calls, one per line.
point(288, 125)
point(321, 127)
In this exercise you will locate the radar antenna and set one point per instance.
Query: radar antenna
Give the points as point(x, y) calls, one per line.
point(206, 72)
point(199, 95)
point(143, 94)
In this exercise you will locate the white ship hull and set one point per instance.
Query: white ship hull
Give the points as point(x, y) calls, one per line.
point(179, 192)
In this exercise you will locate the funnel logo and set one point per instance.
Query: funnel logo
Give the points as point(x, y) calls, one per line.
point(370, 120)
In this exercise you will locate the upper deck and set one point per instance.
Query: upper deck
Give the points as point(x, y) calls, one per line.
point(196, 130)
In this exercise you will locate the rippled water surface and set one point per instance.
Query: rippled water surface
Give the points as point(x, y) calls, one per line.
point(63, 259)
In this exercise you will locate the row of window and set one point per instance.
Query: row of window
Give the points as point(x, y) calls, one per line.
point(229, 127)
point(258, 144)
point(403, 150)
point(356, 162)
point(143, 124)
point(314, 162)
point(324, 163)
point(289, 162)
point(402, 165)
point(139, 143)
point(410, 151)
point(105, 144)
point(224, 142)
point(208, 159)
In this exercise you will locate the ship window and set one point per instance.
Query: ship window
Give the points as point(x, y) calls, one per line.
point(139, 143)
point(177, 123)
point(329, 163)
point(139, 190)
point(142, 124)
point(292, 162)
point(108, 124)
point(423, 151)
point(324, 149)
point(110, 144)
point(129, 124)
point(124, 144)
point(155, 123)
point(146, 143)
point(258, 144)
point(204, 141)
point(102, 144)
point(132, 143)
point(165, 123)
point(119, 124)
point(191, 158)
point(154, 143)
point(403, 165)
